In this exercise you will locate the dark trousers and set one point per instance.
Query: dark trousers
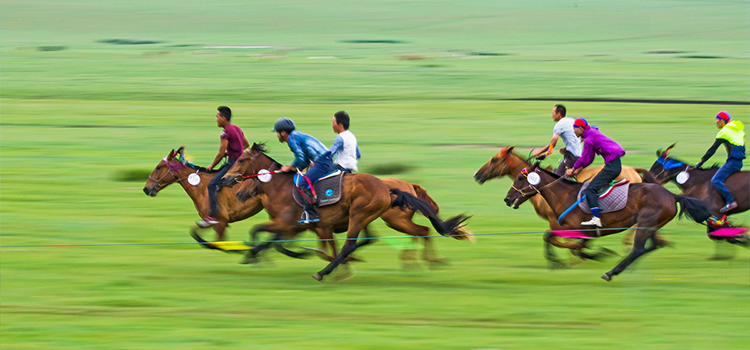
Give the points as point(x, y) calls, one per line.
point(609, 172)
point(323, 165)
point(214, 185)
point(730, 167)
point(568, 161)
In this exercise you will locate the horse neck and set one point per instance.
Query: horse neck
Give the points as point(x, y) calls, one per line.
point(279, 186)
point(199, 193)
point(521, 164)
point(698, 178)
point(559, 195)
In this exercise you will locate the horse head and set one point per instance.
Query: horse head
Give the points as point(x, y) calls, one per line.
point(165, 173)
point(503, 163)
point(250, 162)
point(666, 168)
point(525, 185)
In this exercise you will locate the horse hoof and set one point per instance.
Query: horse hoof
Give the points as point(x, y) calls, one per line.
point(606, 277)
point(318, 277)
point(249, 260)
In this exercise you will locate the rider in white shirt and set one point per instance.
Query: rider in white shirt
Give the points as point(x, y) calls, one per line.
point(344, 147)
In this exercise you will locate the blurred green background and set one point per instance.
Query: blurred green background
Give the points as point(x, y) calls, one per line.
point(94, 93)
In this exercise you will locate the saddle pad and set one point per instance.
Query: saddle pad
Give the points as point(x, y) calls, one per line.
point(569, 234)
point(328, 190)
point(728, 232)
point(613, 199)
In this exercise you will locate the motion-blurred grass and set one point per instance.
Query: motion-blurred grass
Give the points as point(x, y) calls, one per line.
point(428, 93)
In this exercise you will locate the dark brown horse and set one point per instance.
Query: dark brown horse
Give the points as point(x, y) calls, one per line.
point(171, 170)
point(364, 198)
point(649, 207)
point(509, 163)
point(698, 184)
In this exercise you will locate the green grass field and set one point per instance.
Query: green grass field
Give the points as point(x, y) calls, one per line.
point(94, 93)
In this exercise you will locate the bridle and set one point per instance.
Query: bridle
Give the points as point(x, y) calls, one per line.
point(172, 169)
point(537, 190)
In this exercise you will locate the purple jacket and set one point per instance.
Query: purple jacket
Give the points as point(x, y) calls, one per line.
point(594, 142)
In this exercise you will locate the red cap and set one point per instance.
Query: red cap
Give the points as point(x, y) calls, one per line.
point(724, 115)
point(581, 123)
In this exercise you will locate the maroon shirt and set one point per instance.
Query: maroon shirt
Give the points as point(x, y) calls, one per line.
point(233, 134)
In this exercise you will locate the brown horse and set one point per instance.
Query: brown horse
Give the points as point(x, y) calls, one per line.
point(171, 170)
point(364, 198)
point(508, 163)
point(698, 184)
point(649, 207)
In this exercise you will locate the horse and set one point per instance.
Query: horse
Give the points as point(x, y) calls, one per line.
point(649, 207)
point(508, 163)
point(698, 183)
point(364, 198)
point(397, 219)
point(171, 170)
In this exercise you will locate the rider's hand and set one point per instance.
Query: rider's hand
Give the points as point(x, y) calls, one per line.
point(286, 168)
point(210, 167)
point(570, 172)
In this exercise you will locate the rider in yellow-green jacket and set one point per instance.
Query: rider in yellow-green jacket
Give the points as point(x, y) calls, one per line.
point(732, 136)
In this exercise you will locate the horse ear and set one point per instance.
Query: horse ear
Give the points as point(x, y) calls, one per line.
point(254, 146)
point(171, 154)
point(659, 153)
point(510, 148)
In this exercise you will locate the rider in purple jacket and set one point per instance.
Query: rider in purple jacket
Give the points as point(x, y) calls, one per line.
point(594, 142)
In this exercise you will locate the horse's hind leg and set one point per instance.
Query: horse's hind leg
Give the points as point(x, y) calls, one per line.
point(401, 221)
point(639, 248)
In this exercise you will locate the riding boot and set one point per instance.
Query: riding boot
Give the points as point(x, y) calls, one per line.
point(310, 215)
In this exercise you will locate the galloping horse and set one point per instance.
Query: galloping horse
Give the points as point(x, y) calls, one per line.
point(508, 163)
point(364, 198)
point(698, 183)
point(395, 218)
point(649, 207)
point(171, 170)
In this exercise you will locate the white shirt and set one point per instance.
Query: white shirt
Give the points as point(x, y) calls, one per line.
point(346, 150)
point(564, 128)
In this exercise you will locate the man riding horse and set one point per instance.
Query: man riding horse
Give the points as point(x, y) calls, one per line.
point(732, 136)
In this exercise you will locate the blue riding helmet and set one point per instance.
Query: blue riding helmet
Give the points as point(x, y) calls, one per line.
point(284, 124)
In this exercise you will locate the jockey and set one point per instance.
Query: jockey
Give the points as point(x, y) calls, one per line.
point(345, 146)
point(233, 142)
point(564, 128)
point(306, 149)
point(594, 142)
point(732, 135)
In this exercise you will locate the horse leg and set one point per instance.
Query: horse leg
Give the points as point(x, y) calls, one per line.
point(360, 217)
point(276, 228)
point(220, 230)
point(401, 221)
point(639, 248)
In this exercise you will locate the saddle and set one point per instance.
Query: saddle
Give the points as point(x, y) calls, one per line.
point(327, 188)
point(611, 199)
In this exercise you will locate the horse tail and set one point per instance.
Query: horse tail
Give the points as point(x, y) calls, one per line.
point(692, 208)
point(444, 228)
point(647, 176)
point(422, 194)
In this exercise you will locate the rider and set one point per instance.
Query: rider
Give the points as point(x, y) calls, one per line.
point(306, 149)
point(564, 128)
point(594, 142)
point(345, 146)
point(233, 142)
point(732, 135)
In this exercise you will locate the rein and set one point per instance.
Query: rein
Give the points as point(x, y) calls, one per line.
point(525, 194)
point(172, 169)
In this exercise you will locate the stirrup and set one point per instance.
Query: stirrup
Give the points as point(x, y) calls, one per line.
point(728, 207)
point(595, 221)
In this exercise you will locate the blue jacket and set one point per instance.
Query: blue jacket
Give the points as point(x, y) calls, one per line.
point(306, 149)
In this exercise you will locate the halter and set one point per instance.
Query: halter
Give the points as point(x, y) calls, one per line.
point(525, 173)
point(172, 168)
point(669, 164)
point(240, 178)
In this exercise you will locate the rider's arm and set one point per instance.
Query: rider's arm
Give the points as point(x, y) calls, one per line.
point(337, 145)
point(712, 150)
point(551, 145)
point(587, 156)
point(219, 156)
point(359, 155)
point(299, 161)
point(245, 143)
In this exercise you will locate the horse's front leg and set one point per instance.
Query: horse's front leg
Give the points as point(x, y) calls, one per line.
point(275, 227)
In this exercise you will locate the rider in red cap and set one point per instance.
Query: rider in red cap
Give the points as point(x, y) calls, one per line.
point(594, 142)
point(732, 136)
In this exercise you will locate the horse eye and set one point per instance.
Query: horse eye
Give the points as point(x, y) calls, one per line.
point(158, 168)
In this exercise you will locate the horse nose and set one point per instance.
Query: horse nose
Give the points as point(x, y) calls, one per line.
point(145, 190)
point(479, 177)
point(508, 201)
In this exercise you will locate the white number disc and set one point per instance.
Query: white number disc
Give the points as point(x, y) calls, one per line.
point(533, 179)
point(194, 179)
point(264, 175)
point(682, 177)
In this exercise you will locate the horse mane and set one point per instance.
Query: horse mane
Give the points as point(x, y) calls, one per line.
point(712, 167)
point(261, 147)
point(555, 176)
